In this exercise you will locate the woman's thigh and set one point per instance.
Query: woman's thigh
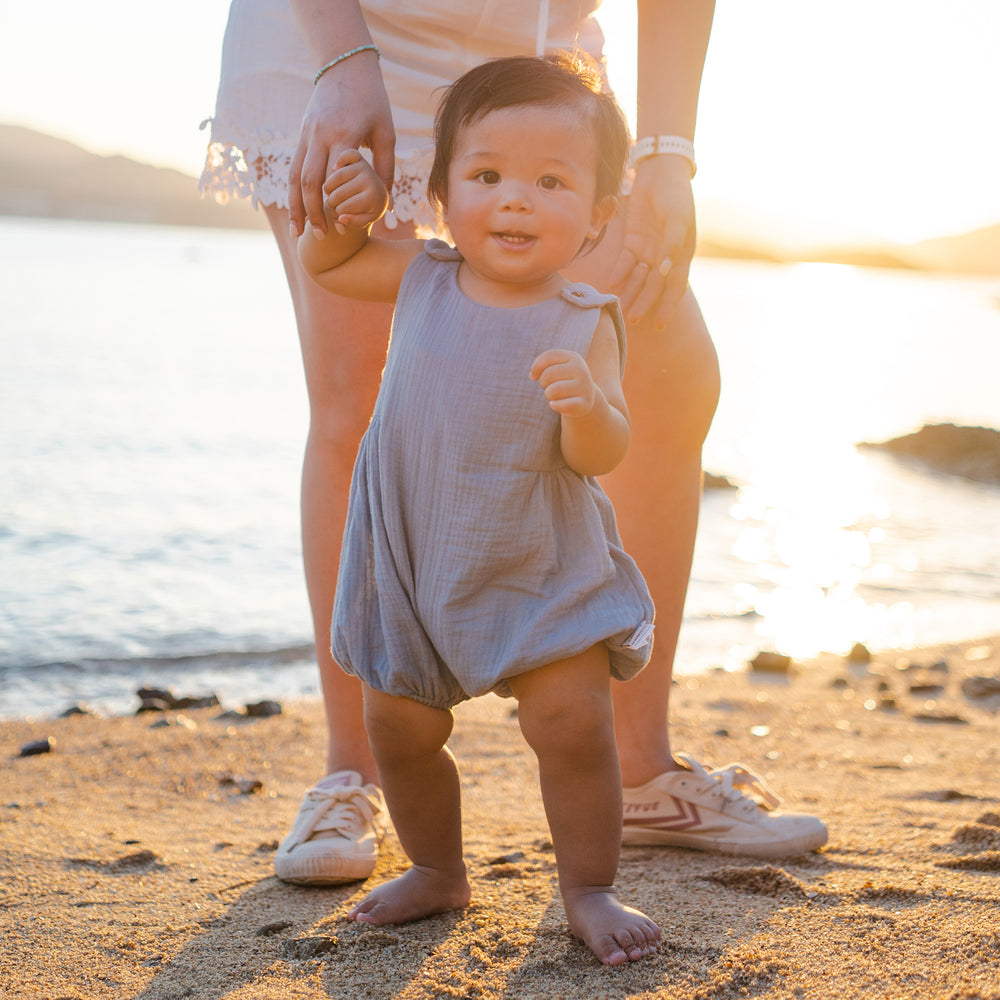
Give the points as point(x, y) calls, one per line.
point(343, 340)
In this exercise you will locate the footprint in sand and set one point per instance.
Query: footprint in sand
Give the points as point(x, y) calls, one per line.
point(140, 861)
point(764, 880)
point(980, 842)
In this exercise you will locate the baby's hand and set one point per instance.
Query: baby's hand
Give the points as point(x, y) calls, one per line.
point(355, 197)
point(564, 376)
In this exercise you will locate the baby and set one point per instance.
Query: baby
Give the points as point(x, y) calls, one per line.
point(480, 554)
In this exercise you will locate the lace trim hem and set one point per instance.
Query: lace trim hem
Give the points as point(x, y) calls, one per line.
point(257, 168)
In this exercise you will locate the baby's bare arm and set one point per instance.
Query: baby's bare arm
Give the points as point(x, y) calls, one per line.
point(587, 394)
point(347, 260)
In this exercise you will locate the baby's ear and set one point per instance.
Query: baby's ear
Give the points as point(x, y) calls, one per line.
point(604, 211)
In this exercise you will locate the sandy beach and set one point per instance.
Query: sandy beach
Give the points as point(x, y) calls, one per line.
point(136, 856)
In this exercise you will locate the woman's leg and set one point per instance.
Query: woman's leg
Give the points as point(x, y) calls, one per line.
point(672, 388)
point(343, 345)
point(422, 789)
point(566, 715)
point(671, 383)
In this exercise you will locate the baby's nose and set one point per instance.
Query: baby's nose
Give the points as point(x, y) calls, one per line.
point(515, 198)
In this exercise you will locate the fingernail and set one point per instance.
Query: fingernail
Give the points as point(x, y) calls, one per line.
point(293, 230)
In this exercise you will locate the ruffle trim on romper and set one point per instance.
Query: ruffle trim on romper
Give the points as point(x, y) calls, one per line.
point(256, 166)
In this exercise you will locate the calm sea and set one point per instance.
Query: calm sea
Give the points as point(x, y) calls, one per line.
point(152, 415)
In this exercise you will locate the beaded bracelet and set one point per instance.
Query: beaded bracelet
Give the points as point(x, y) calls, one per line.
point(657, 145)
point(346, 55)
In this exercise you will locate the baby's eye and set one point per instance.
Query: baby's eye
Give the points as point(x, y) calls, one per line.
point(549, 183)
point(489, 177)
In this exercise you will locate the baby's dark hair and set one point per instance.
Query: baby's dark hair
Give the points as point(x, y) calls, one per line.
point(557, 80)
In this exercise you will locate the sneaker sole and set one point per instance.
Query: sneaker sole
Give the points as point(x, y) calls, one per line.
point(323, 871)
point(646, 837)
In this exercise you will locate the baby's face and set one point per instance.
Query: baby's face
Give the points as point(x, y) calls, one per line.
point(521, 193)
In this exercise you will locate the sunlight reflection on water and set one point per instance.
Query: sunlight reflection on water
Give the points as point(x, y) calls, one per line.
point(832, 544)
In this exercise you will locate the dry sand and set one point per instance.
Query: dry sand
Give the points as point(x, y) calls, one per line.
point(133, 867)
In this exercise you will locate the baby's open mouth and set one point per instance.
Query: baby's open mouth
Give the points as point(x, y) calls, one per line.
point(514, 237)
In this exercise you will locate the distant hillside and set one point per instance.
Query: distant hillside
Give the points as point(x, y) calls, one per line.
point(977, 252)
point(44, 176)
point(41, 175)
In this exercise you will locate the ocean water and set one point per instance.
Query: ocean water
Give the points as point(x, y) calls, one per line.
point(152, 414)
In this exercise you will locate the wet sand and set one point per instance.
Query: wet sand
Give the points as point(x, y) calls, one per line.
point(136, 857)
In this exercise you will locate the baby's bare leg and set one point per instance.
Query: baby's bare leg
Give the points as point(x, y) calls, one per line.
point(566, 716)
point(421, 788)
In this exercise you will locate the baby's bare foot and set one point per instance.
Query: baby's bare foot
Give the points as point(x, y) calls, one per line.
point(614, 932)
point(420, 892)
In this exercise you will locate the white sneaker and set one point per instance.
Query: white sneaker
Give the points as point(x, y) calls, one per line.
point(336, 833)
point(712, 811)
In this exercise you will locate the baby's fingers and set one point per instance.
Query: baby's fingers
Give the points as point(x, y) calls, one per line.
point(547, 360)
point(362, 221)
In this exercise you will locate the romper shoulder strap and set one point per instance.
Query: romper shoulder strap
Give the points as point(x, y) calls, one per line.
point(584, 296)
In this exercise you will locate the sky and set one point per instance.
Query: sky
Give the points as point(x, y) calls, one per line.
point(869, 120)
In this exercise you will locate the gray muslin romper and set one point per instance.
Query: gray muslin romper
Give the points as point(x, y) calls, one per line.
point(472, 552)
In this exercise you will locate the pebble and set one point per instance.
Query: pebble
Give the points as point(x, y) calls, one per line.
point(940, 717)
point(263, 709)
point(770, 662)
point(164, 700)
point(76, 710)
point(859, 654)
point(36, 747)
point(981, 687)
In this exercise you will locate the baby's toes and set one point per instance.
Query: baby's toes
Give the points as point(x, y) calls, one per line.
point(611, 951)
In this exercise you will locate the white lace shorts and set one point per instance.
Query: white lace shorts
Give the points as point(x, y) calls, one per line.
point(267, 78)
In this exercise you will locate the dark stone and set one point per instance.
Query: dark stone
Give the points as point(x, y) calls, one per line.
point(75, 710)
point(926, 689)
point(941, 717)
point(152, 705)
point(263, 709)
point(155, 694)
point(859, 654)
point(981, 687)
point(231, 715)
point(36, 747)
point(507, 859)
point(198, 701)
point(970, 452)
point(771, 663)
point(713, 482)
point(163, 700)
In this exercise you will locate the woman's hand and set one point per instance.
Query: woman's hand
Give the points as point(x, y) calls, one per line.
point(651, 275)
point(349, 108)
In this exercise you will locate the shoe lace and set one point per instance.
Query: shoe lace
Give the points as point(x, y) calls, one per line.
point(736, 783)
point(338, 810)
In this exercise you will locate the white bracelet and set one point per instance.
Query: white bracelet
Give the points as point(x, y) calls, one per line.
point(346, 55)
point(658, 145)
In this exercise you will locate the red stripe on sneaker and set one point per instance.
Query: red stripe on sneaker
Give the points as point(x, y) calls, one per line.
point(684, 818)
